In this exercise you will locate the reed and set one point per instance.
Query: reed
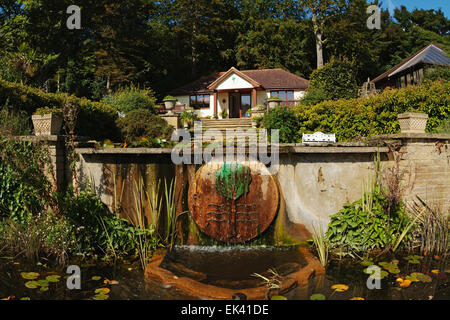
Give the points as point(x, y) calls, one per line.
point(321, 244)
point(432, 232)
point(143, 234)
point(171, 214)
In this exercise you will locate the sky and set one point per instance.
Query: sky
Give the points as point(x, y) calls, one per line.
point(419, 4)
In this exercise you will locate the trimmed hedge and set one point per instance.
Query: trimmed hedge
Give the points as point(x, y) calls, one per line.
point(377, 114)
point(95, 119)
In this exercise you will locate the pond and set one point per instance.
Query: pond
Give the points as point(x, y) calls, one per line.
point(125, 280)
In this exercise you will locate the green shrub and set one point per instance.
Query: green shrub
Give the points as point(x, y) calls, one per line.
point(95, 119)
point(47, 110)
point(24, 187)
point(190, 116)
point(97, 229)
point(314, 96)
point(335, 80)
point(128, 99)
point(169, 98)
point(14, 122)
point(142, 123)
point(356, 228)
point(284, 120)
point(443, 127)
point(46, 235)
point(376, 114)
point(437, 73)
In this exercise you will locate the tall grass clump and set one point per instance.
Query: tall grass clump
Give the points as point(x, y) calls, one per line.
point(321, 245)
point(431, 235)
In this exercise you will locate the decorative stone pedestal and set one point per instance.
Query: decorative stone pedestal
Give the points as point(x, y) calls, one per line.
point(173, 120)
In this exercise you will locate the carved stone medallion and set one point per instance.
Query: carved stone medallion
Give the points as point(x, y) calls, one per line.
point(233, 202)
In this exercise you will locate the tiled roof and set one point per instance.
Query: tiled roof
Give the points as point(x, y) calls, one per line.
point(431, 54)
point(269, 79)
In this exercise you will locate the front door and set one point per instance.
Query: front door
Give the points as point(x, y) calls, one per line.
point(235, 105)
point(240, 103)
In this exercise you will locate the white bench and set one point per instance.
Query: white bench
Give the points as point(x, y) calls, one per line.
point(318, 137)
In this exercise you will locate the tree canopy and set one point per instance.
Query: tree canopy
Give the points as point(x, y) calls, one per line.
point(165, 44)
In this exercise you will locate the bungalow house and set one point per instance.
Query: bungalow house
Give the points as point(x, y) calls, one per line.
point(234, 92)
point(411, 70)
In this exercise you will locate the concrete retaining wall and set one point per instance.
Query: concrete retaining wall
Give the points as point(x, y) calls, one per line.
point(315, 180)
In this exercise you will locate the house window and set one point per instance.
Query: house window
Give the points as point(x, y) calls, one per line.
point(199, 101)
point(286, 95)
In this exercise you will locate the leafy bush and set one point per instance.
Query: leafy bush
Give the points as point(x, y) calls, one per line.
point(443, 127)
point(376, 114)
point(438, 72)
point(335, 80)
point(169, 98)
point(96, 229)
point(95, 119)
point(128, 99)
point(190, 116)
point(47, 110)
point(284, 120)
point(46, 235)
point(142, 123)
point(314, 96)
point(24, 187)
point(14, 122)
point(362, 226)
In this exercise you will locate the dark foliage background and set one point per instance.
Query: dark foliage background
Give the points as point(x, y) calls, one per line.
point(164, 44)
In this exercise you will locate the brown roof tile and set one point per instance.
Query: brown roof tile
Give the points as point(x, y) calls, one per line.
point(269, 79)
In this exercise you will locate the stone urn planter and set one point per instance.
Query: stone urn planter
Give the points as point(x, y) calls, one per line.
point(413, 122)
point(274, 102)
point(257, 112)
point(169, 103)
point(47, 124)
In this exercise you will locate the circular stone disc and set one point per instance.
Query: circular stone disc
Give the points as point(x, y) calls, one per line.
point(233, 221)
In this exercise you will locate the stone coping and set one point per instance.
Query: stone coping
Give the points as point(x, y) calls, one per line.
point(51, 138)
point(404, 136)
point(283, 149)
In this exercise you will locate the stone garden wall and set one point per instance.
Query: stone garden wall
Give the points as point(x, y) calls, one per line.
point(314, 180)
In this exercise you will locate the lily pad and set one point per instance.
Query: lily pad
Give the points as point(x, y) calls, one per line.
point(53, 278)
point(103, 291)
point(29, 275)
point(366, 262)
point(31, 284)
point(417, 276)
point(278, 298)
point(373, 275)
point(96, 278)
point(101, 297)
point(339, 287)
point(357, 298)
point(42, 283)
point(43, 289)
point(391, 266)
point(317, 296)
point(25, 298)
point(414, 259)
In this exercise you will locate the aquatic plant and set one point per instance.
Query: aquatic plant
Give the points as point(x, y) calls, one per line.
point(144, 236)
point(321, 245)
point(431, 236)
point(317, 296)
point(171, 212)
